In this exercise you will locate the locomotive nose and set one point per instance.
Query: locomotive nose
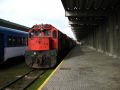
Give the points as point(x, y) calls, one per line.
point(39, 43)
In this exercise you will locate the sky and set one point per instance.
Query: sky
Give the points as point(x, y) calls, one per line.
point(31, 12)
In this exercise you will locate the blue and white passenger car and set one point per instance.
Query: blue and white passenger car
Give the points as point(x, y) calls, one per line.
point(13, 43)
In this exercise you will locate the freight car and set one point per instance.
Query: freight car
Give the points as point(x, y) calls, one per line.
point(46, 46)
point(12, 43)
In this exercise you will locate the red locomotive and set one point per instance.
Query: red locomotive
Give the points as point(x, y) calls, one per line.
point(46, 46)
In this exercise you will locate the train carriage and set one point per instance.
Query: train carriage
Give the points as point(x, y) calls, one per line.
point(13, 43)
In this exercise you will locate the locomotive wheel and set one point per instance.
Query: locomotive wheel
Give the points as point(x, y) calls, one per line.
point(53, 61)
point(29, 61)
point(37, 62)
point(48, 62)
point(41, 61)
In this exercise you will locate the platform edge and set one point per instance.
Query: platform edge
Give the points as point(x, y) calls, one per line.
point(40, 88)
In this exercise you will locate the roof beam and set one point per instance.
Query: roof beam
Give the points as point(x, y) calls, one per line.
point(64, 3)
point(79, 4)
point(89, 4)
point(80, 28)
point(97, 4)
point(87, 13)
point(85, 22)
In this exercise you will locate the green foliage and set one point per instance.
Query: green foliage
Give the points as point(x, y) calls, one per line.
point(40, 81)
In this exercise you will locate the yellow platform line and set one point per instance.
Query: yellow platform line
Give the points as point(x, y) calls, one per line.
point(40, 88)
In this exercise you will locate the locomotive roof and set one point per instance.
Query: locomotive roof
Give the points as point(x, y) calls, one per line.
point(13, 25)
point(43, 26)
point(46, 27)
point(10, 30)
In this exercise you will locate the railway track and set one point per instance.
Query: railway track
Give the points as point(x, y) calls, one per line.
point(24, 81)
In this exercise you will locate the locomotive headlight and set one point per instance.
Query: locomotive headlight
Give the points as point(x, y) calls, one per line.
point(34, 53)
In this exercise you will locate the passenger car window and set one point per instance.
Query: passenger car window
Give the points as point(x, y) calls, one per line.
point(14, 41)
point(9, 43)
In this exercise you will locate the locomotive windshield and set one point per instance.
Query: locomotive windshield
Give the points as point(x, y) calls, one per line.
point(39, 33)
point(36, 33)
point(47, 33)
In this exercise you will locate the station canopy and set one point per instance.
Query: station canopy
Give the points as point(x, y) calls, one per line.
point(86, 15)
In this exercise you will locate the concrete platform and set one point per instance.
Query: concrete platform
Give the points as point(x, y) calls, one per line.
point(86, 69)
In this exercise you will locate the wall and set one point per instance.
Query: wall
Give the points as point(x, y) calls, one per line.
point(106, 37)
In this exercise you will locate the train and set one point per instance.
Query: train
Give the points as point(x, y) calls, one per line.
point(13, 43)
point(46, 46)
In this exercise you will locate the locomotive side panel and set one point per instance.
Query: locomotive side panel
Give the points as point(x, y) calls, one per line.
point(62, 46)
point(54, 39)
point(65, 44)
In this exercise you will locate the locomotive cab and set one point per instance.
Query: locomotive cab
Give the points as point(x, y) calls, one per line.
point(38, 41)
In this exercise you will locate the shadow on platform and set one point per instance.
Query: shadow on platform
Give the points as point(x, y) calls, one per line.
point(76, 51)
